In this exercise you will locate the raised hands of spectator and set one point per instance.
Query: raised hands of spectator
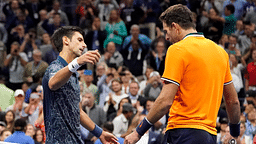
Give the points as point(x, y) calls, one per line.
point(135, 38)
point(26, 38)
point(238, 53)
point(14, 52)
point(18, 105)
point(248, 108)
point(29, 79)
point(111, 101)
point(138, 107)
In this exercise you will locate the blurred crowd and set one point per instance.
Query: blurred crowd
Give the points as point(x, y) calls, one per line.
point(120, 89)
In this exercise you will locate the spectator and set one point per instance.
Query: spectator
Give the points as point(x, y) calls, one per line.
point(238, 5)
point(101, 68)
point(114, 97)
point(207, 5)
point(10, 10)
point(119, 110)
point(229, 20)
point(4, 134)
point(94, 39)
point(151, 10)
point(104, 11)
point(112, 56)
point(131, 15)
point(85, 13)
point(134, 55)
point(250, 15)
point(222, 133)
point(6, 94)
point(223, 42)
point(2, 126)
point(16, 34)
point(19, 104)
point(154, 85)
point(30, 130)
point(144, 82)
point(248, 51)
point(34, 108)
point(3, 34)
point(33, 7)
point(39, 136)
point(96, 113)
point(9, 120)
point(251, 124)
point(109, 127)
point(136, 35)
point(51, 27)
point(239, 28)
point(3, 53)
point(243, 137)
point(157, 57)
point(39, 29)
point(19, 136)
point(46, 44)
point(56, 9)
point(250, 76)
point(245, 40)
point(35, 67)
point(121, 122)
point(51, 55)
point(136, 98)
point(16, 62)
point(87, 78)
point(233, 47)
point(29, 44)
point(116, 30)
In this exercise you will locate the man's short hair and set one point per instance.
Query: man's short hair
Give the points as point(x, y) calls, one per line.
point(108, 126)
point(64, 31)
point(20, 124)
point(179, 14)
point(231, 8)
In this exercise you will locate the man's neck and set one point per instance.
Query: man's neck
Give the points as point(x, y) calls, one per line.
point(183, 33)
point(67, 56)
point(118, 93)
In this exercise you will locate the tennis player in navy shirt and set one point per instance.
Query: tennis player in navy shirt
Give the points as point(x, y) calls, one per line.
point(62, 110)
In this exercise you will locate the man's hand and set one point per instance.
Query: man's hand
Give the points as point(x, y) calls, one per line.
point(132, 138)
point(89, 57)
point(107, 138)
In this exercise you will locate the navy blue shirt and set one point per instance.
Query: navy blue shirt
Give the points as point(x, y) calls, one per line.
point(61, 107)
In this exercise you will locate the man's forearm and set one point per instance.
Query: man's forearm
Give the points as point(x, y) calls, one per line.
point(60, 78)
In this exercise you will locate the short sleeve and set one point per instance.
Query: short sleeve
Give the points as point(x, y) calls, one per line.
point(228, 76)
point(174, 65)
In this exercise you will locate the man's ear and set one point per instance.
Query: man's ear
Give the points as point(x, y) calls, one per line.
point(65, 40)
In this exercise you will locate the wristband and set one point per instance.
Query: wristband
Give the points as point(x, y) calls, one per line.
point(73, 66)
point(97, 131)
point(234, 129)
point(143, 127)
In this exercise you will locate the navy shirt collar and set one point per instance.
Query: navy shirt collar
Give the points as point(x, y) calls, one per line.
point(62, 61)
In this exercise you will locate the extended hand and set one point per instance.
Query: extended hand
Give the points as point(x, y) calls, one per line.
point(107, 138)
point(132, 138)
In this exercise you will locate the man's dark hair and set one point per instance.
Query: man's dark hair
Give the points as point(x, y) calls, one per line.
point(247, 23)
point(108, 126)
point(64, 31)
point(231, 8)
point(234, 36)
point(179, 14)
point(19, 125)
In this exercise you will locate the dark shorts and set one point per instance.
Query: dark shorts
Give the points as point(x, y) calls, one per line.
point(188, 136)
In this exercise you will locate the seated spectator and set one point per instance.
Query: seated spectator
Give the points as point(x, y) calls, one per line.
point(136, 98)
point(87, 78)
point(245, 40)
point(144, 82)
point(46, 44)
point(19, 104)
point(35, 67)
point(157, 57)
point(154, 85)
point(119, 110)
point(116, 30)
point(126, 77)
point(96, 113)
point(30, 43)
point(251, 124)
point(19, 136)
point(239, 28)
point(134, 55)
point(9, 120)
point(109, 127)
point(248, 51)
point(223, 42)
point(51, 27)
point(85, 13)
point(39, 29)
point(233, 46)
point(112, 56)
point(39, 136)
point(16, 62)
point(30, 130)
point(6, 94)
point(114, 97)
point(34, 108)
point(104, 9)
point(221, 134)
point(101, 68)
point(243, 137)
point(250, 76)
point(94, 39)
point(4, 134)
point(121, 122)
point(56, 9)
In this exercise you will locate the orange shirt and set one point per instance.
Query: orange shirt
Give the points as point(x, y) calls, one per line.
point(200, 68)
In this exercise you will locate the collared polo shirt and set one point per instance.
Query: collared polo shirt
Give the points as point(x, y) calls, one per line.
point(200, 68)
point(61, 107)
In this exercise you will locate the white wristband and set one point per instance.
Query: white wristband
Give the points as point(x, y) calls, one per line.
point(73, 66)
